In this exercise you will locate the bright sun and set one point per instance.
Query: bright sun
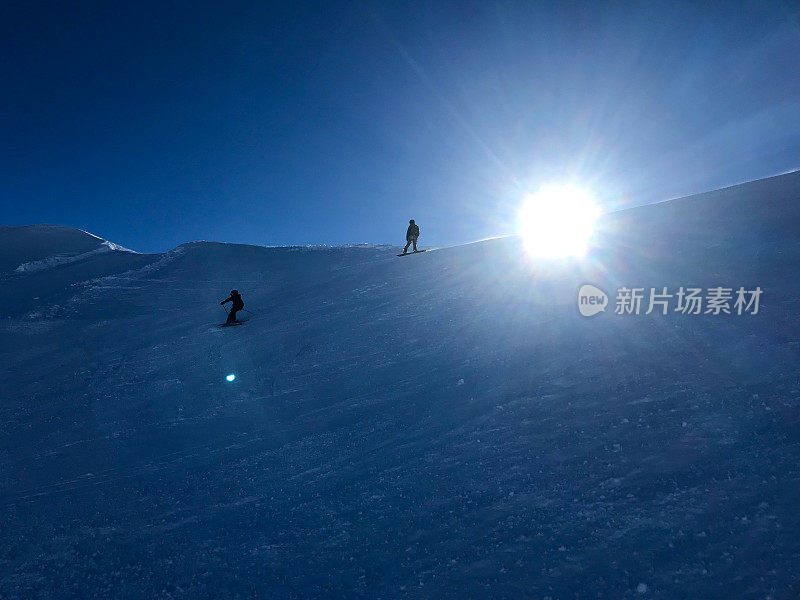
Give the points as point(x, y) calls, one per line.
point(557, 222)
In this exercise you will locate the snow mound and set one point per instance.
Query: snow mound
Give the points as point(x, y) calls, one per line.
point(39, 247)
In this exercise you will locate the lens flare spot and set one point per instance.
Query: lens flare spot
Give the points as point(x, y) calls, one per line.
point(557, 222)
point(231, 377)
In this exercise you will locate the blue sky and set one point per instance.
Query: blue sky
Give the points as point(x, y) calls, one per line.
point(151, 124)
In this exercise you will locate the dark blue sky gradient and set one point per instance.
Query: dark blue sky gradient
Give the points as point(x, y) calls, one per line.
point(151, 124)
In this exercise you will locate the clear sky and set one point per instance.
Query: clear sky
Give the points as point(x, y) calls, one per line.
point(155, 123)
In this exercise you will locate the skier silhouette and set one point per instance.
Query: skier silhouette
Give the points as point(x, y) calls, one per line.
point(238, 304)
point(411, 236)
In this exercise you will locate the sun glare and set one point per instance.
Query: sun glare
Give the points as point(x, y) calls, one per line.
point(557, 222)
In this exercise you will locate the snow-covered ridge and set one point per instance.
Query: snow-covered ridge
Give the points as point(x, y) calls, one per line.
point(296, 248)
point(62, 259)
point(111, 245)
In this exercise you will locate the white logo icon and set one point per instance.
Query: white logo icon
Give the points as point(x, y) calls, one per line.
point(591, 300)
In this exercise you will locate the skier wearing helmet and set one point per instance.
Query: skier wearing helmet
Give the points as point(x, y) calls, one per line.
point(238, 304)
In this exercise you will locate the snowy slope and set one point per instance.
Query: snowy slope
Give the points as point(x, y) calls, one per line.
point(443, 425)
point(38, 247)
point(39, 264)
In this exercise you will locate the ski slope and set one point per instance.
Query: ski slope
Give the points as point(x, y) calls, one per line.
point(444, 425)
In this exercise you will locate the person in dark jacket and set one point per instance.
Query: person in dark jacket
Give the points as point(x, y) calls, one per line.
point(238, 304)
point(411, 235)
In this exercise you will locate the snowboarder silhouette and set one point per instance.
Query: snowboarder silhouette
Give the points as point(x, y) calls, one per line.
point(238, 304)
point(411, 236)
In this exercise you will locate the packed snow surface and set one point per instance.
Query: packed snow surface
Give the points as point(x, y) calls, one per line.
point(445, 425)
